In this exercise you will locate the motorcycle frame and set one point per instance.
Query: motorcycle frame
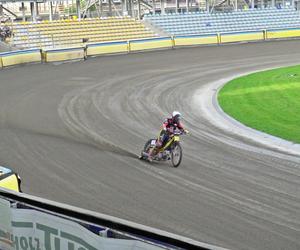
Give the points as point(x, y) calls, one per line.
point(175, 138)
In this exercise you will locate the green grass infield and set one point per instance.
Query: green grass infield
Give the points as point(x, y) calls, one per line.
point(268, 101)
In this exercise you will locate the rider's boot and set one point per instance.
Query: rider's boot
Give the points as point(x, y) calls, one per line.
point(151, 154)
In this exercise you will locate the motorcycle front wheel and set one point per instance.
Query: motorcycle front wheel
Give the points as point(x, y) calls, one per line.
point(176, 155)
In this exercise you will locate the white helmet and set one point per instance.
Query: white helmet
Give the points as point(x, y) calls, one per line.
point(176, 116)
point(176, 113)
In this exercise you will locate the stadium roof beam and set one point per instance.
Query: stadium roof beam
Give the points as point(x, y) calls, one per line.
point(50, 11)
point(33, 10)
point(162, 6)
point(177, 6)
point(154, 6)
point(78, 10)
point(1, 9)
point(139, 9)
point(124, 8)
point(23, 11)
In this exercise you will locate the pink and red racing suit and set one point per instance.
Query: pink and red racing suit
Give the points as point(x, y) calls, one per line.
point(169, 126)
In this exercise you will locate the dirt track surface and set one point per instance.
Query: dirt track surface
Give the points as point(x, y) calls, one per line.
point(72, 132)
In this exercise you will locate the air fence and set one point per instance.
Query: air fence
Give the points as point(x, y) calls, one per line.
point(131, 46)
point(32, 223)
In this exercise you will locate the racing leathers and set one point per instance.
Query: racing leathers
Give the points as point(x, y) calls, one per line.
point(169, 126)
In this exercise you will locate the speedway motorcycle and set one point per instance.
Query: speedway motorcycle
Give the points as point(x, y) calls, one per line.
point(171, 151)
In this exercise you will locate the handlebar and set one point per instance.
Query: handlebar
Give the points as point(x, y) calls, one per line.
point(179, 132)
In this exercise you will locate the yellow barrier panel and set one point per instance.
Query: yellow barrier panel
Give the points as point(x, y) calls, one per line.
point(195, 40)
point(1, 62)
point(11, 182)
point(152, 43)
point(241, 37)
point(20, 57)
point(107, 48)
point(58, 55)
point(271, 34)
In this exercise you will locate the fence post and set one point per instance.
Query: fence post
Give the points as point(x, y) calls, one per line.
point(128, 46)
point(52, 40)
point(173, 42)
point(219, 38)
point(40, 39)
point(265, 35)
point(85, 52)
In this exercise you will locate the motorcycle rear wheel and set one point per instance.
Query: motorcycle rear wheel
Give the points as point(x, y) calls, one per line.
point(147, 145)
point(176, 155)
point(146, 149)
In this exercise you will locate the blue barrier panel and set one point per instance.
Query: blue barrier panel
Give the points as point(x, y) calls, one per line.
point(19, 52)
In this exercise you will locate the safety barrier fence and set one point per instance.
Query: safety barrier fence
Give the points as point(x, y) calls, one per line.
point(56, 55)
point(283, 33)
point(20, 57)
point(196, 40)
point(137, 45)
point(107, 48)
point(43, 224)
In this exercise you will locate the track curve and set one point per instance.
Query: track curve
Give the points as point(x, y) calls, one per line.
point(73, 131)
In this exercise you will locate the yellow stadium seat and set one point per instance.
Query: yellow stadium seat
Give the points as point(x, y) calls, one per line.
point(73, 31)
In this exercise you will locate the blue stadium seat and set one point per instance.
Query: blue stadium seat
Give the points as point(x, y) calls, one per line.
point(242, 20)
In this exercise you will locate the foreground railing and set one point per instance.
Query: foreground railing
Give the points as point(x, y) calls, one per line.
point(29, 222)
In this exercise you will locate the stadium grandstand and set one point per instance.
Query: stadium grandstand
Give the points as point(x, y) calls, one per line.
point(59, 24)
point(237, 21)
point(65, 33)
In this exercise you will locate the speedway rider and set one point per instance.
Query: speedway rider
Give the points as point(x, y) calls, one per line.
point(169, 126)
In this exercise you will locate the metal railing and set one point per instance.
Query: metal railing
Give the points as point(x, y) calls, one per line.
point(136, 231)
